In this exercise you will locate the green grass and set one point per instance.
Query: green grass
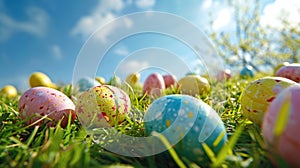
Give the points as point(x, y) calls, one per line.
point(23, 146)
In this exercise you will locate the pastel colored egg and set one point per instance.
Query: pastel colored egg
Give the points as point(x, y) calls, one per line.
point(101, 80)
point(187, 123)
point(133, 79)
point(291, 71)
point(258, 95)
point(86, 83)
point(279, 66)
point(102, 106)
point(194, 85)
point(40, 79)
point(224, 75)
point(41, 101)
point(247, 72)
point(154, 84)
point(281, 128)
point(9, 91)
point(169, 80)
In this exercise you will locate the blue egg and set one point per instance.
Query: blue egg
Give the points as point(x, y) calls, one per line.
point(247, 72)
point(187, 123)
point(86, 83)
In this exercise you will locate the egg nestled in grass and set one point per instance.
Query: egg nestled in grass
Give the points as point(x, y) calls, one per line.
point(9, 91)
point(290, 71)
point(281, 128)
point(188, 121)
point(194, 85)
point(103, 106)
point(53, 105)
point(258, 95)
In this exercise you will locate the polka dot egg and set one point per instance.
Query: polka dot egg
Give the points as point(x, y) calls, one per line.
point(102, 106)
point(259, 94)
point(188, 123)
point(281, 128)
point(41, 101)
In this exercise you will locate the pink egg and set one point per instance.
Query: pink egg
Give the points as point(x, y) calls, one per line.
point(169, 80)
point(40, 101)
point(281, 127)
point(224, 74)
point(291, 71)
point(154, 84)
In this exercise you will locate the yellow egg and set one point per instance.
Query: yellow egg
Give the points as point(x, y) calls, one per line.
point(101, 80)
point(133, 78)
point(194, 85)
point(40, 79)
point(258, 95)
point(9, 91)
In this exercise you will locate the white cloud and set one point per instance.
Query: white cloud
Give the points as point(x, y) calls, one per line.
point(206, 4)
point(36, 24)
point(132, 66)
point(281, 8)
point(145, 3)
point(122, 51)
point(224, 19)
point(56, 52)
point(102, 14)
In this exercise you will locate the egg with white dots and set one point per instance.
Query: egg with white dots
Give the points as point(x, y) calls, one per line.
point(188, 123)
point(258, 95)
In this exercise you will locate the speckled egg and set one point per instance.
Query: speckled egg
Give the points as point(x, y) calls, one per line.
point(40, 79)
point(194, 85)
point(224, 75)
point(102, 105)
point(86, 83)
point(169, 80)
point(40, 101)
point(279, 66)
point(291, 71)
point(154, 84)
point(247, 72)
point(187, 123)
point(281, 128)
point(9, 91)
point(259, 94)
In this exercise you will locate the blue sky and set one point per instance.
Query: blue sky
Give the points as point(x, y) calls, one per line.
point(47, 35)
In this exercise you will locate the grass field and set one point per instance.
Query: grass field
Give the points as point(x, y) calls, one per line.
point(24, 146)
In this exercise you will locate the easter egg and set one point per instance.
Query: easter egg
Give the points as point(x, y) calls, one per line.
point(187, 123)
point(247, 72)
point(40, 79)
point(102, 106)
point(279, 66)
point(38, 102)
point(154, 84)
point(169, 80)
point(194, 85)
point(281, 128)
point(291, 71)
point(258, 95)
point(101, 80)
point(86, 83)
point(9, 91)
point(133, 79)
point(224, 75)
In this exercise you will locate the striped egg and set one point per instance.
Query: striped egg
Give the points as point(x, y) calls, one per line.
point(187, 123)
point(39, 102)
point(258, 95)
point(281, 128)
point(290, 71)
point(102, 106)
